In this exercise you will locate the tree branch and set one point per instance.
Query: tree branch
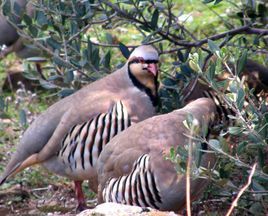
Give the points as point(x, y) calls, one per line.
point(234, 203)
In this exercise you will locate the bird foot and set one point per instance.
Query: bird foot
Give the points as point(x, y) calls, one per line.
point(81, 207)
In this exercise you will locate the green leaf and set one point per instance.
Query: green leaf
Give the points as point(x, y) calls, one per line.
point(235, 130)
point(53, 43)
point(208, 1)
point(256, 186)
point(211, 71)
point(65, 92)
point(183, 152)
point(172, 153)
point(106, 60)
point(58, 61)
point(241, 62)
point(154, 19)
point(33, 30)
point(180, 56)
point(17, 8)
point(89, 48)
point(6, 8)
point(124, 50)
point(186, 69)
point(41, 18)
point(27, 19)
point(217, 2)
point(213, 47)
point(147, 39)
point(47, 85)
point(215, 144)
point(54, 78)
point(144, 28)
point(36, 59)
point(74, 28)
point(96, 58)
point(240, 99)
point(31, 75)
point(69, 76)
point(261, 157)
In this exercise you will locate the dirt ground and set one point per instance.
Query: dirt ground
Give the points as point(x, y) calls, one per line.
point(52, 199)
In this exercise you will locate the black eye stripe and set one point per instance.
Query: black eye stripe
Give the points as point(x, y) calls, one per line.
point(151, 61)
point(136, 61)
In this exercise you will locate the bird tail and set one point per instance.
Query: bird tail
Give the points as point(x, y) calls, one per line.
point(11, 171)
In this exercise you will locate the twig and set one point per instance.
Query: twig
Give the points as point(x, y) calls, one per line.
point(130, 17)
point(223, 43)
point(50, 52)
point(188, 169)
point(41, 189)
point(234, 203)
point(85, 28)
point(36, 43)
point(237, 161)
point(234, 107)
point(247, 29)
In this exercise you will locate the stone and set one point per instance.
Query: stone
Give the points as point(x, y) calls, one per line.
point(115, 209)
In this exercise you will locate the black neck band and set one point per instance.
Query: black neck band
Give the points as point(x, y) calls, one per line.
point(140, 86)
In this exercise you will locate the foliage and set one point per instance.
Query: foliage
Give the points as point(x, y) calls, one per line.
point(84, 40)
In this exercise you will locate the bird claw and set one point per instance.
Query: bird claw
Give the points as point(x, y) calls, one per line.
point(81, 207)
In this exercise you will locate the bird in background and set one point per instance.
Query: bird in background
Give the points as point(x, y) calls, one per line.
point(69, 136)
point(9, 36)
point(12, 42)
point(132, 168)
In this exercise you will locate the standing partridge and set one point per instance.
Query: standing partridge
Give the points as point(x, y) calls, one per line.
point(69, 136)
point(132, 168)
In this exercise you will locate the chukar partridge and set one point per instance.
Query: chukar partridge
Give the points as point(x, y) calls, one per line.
point(69, 136)
point(132, 168)
point(9, 36)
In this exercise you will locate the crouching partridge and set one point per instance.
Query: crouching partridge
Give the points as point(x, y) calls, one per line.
point(68, 138)
point(132, 168)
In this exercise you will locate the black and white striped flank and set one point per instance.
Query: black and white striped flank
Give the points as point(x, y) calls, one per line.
point(84, 142)
point(138, 188)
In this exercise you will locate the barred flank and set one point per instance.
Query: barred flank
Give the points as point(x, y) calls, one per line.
point(83, 144)
point(137, 188)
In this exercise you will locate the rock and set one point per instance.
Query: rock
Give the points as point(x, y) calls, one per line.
point(115, 209)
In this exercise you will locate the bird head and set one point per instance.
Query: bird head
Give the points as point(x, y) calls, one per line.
point(143, 63)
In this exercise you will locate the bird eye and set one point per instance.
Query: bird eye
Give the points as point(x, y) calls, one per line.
point(141, 60)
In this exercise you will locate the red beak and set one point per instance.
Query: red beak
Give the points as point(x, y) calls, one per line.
point(153, 68)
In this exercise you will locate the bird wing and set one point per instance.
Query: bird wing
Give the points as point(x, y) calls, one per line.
point(43, 138)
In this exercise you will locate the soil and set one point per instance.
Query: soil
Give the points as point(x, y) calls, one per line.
point(56, 199)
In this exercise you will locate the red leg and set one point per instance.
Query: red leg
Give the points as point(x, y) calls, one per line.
point(80, 196)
